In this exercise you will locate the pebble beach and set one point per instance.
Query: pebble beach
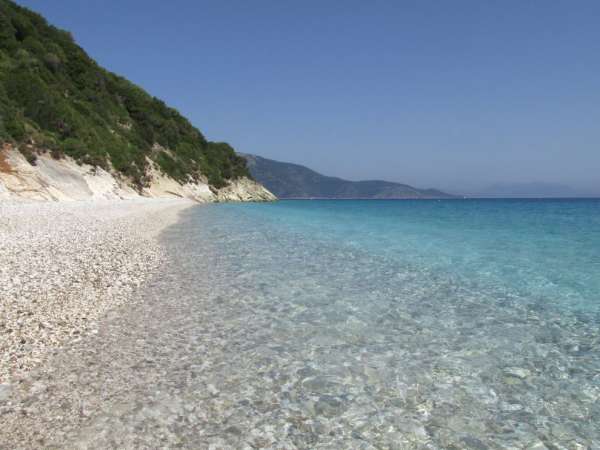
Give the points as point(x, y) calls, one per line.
point(64, 265)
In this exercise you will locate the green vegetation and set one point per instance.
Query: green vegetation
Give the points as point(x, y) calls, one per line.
point(54, 94)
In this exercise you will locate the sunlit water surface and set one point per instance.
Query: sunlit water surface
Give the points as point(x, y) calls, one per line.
point(393, 324)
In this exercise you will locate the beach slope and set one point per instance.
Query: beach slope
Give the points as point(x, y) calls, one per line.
point(64, 264)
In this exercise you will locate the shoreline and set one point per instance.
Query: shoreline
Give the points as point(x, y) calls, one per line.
point(253, 334)
point(65, 265)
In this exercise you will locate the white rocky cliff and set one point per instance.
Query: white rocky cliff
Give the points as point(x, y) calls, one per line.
point(64, 179)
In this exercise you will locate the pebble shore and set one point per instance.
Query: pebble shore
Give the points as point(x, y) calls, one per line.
point(64, 265)
point(251, 336)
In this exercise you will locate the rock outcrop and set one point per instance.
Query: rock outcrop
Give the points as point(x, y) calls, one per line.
point(63, 179)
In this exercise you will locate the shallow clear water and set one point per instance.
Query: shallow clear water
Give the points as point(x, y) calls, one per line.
point(547, 251)
point(342, 325)
point(394, 324)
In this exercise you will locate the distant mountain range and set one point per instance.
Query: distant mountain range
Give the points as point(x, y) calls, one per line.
point(287, 180)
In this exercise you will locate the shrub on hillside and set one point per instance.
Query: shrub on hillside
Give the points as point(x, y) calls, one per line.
point(53, 92)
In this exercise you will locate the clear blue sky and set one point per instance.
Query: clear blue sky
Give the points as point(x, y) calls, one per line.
point(451, 94)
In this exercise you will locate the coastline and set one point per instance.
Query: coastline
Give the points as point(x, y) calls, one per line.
point(65, 264)
point(259, 333)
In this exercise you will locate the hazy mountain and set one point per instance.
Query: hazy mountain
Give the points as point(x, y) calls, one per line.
point(287, 180)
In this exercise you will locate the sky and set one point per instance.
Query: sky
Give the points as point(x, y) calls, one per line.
point(456, 95)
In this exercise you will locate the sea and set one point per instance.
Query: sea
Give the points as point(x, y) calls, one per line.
point(376, 324)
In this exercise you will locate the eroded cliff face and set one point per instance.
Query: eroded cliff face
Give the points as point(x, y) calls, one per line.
point(244, 190)
point(63, 179)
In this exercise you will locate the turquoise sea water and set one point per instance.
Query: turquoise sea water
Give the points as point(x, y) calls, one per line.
point(544, 251)
point(394, 324)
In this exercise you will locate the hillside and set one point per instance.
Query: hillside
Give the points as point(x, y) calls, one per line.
point(56, 100)
point(287, 180)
